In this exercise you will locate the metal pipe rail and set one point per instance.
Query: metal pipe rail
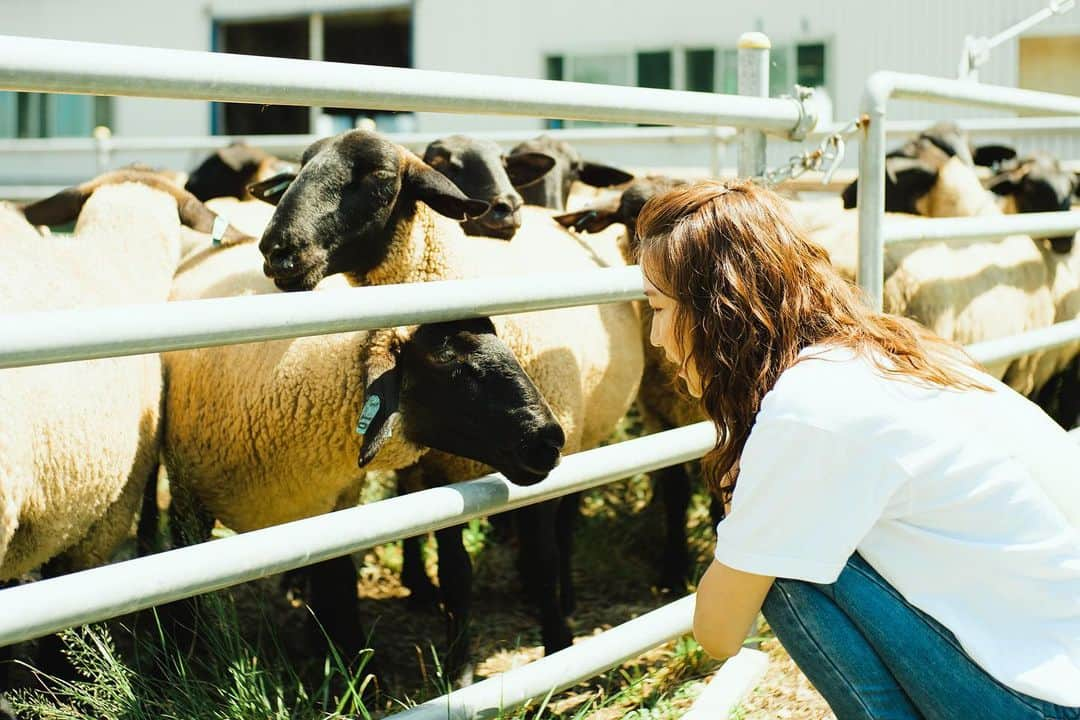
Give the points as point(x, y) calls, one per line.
point(490, 698)
point(294, 144)
point(880, 87)
point(40, 65)
point(1048, 224)
point(37, 338)
point(43, 607)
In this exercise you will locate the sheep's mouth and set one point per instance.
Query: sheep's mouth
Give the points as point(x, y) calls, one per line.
point(499, 231)
point(304, 279)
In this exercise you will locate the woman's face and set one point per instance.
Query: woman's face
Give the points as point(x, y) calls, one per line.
point(663, 335)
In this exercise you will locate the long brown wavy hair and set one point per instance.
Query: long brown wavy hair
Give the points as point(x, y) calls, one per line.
point(751, 292)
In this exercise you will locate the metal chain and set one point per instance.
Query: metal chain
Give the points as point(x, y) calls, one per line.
point(828, 155)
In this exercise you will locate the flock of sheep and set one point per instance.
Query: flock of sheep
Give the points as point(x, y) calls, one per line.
point(263, 433)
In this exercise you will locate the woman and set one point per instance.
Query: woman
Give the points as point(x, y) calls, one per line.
point(907, 524)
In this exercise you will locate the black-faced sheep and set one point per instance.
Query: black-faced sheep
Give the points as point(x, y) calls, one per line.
point(228, 172)
point(264, 433)
point(553, 190)
point(360, 206)
point(483, 172)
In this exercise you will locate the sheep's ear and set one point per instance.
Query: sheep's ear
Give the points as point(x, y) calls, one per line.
point(271, 189)
point(599, 175)
point(526, 168)
point(59, 209)
point(991, 155)
point(380, 415)
point(1076, 184)
point(437, 192)
point(240, 157)
point(590, 221)
point(1003, 184)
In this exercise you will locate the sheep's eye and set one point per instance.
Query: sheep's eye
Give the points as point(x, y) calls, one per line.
point(444, 355)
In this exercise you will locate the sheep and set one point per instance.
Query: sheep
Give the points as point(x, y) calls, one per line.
point(79, 440)
point(481, 170)
point(229, 171)
point(553, 190)
point(261, 434)
point(387, 226)
point(1036, 184)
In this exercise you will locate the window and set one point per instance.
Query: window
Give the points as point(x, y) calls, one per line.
point(43, 115)
point(700, 70)
point(654, 69)
point(810, 65)
point(607, 69)
point(717, 70)
point(369, 38)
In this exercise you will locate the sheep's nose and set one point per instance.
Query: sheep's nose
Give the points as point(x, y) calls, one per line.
point(501, 209)
point(280, 260)
point(540, 453)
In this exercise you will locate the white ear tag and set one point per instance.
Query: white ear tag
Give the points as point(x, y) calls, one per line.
point(371, 409)
point(218, 231)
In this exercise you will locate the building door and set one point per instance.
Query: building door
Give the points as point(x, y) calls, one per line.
point(372, 38)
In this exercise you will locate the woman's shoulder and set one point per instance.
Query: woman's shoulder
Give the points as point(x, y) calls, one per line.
point(828, 387)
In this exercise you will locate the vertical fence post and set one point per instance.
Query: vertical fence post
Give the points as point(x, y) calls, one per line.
point(753, 57)
point(316, 51)
point(871, 196)
point(103, 147)
point(716, 152)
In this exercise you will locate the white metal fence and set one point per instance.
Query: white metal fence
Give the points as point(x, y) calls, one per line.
point(43, 65)
point(104, 152)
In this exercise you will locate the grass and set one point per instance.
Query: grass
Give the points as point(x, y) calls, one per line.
point(229, 675)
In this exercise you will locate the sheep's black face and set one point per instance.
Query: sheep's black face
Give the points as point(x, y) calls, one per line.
point(1038, 184)
point(340, 213)
point(462, 391)
point(226, 173)
point(480, 170)
point(331, 217)
point(553, 190)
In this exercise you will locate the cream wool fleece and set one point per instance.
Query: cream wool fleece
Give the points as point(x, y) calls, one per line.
point(78, 440)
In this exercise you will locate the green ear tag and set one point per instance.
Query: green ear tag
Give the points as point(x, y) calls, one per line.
point(371, 409)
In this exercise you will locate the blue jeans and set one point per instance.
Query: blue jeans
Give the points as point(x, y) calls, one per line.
point(872, 655)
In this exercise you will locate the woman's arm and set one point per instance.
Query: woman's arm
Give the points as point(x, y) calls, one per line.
point(728, 600)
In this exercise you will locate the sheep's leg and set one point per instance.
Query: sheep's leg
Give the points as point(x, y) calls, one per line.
point(149, 516)
point(540, 563)
point(333, 603)
point(7, 654)
point(455, 580)
point(564, 534)
point(189, 524)
point(674, 483)
point(413, 574)
point(1060, 396)
point(51, 660)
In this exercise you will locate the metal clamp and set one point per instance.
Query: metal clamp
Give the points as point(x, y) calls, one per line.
point(826, 157)
point(807, 114)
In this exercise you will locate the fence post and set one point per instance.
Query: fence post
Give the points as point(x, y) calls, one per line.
point(103, 147)
point(753, 81)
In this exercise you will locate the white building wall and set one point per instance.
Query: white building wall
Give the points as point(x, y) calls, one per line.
point(511, 37)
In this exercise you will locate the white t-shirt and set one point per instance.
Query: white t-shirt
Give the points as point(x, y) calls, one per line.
point(967, 502)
